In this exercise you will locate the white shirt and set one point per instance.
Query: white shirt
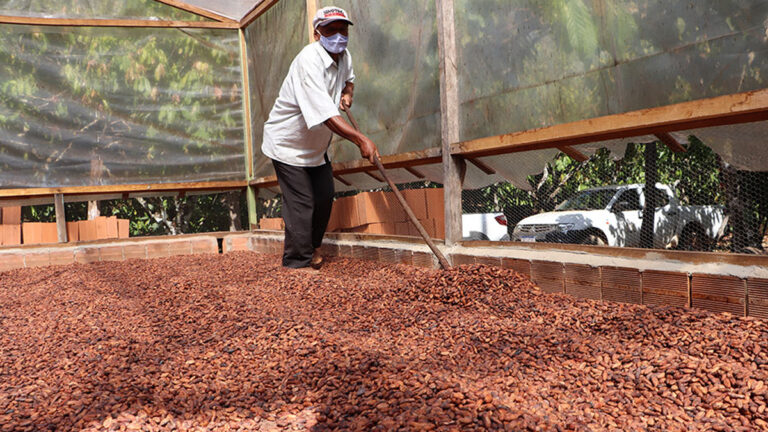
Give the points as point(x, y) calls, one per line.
point(294, 133)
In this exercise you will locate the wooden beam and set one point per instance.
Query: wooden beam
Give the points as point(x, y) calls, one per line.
point(341, 180)
point(77, 22)
point(482, 166)
point(246, 104)
point(573, 153)
point(416, 173)
point(671, 142)
point(723, 110)
point(453, 180)
point(257, 12)
point(251, 194)
point(375, 177)
point(197, 10)
point(120, 189)
point(400, 160)
point(311, 11)
point(49, 199)
point(61, 217)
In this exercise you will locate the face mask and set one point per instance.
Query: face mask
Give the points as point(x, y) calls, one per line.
point(335, 44)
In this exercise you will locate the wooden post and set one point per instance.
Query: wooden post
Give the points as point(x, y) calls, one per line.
point(250, 193)
point(449, 120)
point(746, 297)
point(97, 168)
point(61, 217)
point(311, 11)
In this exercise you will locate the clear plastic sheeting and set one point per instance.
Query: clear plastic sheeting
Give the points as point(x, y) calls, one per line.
point(273, 40)
point(743, 146)
point(397, 86)
point(232, 9)
point(86, 106)
point(514, 168)
point(96, 9)
point(525, 64)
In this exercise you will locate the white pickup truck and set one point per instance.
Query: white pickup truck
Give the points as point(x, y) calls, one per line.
point(613, 215)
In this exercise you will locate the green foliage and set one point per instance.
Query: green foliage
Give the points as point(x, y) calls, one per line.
point(695, 174)
point(199, 214)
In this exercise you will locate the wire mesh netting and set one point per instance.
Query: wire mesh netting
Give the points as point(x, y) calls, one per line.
point(698, 202)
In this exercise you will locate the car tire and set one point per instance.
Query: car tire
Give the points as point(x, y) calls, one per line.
point(476, 235)
point(694, 238)
point(595, 239)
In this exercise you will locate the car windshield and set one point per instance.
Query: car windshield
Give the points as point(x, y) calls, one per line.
point(588, 200)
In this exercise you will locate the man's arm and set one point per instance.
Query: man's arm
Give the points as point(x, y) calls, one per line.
point(340, 127)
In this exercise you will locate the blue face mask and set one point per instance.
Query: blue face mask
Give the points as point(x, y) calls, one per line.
point(335, 44)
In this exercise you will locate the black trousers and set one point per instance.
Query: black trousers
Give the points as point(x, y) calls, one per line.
point(307, 201)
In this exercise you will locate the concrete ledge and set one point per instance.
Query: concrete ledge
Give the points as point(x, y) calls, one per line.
point(45, 255)
point(653, 279)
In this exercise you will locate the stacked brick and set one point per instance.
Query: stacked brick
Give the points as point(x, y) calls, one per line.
point(10, 228)
point(381, 213)
point(13, 232)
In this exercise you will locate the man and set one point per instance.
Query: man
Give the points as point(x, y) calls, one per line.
point(298, 132)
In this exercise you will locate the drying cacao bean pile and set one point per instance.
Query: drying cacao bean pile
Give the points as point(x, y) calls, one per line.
point(235, 342)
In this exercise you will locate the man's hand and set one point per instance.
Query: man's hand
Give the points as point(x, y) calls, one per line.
point(368, 149)
point(346, 101)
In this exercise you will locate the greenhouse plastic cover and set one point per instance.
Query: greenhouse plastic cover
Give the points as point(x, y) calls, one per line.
point(273, 41)
point(394, 53)
point(525, 64)
point(96, 9)
point(90, 106)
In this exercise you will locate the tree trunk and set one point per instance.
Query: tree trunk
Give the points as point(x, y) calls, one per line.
point(160, 215)
point(232, 201)
point(649, 211)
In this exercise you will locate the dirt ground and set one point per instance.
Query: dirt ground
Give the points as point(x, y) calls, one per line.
point(234, 342)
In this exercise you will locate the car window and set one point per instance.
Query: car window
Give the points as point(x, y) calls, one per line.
point(588, 200)
point(662, 199)
point(632, 198)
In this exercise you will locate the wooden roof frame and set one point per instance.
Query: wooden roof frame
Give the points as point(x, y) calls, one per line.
point(725, 110)
point(254, 13)
point(219, 21)
point(23, 193)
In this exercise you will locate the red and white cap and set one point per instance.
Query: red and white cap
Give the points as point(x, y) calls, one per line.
point(330, 14)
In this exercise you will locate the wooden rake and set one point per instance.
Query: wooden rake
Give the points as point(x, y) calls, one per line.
point(440, 258)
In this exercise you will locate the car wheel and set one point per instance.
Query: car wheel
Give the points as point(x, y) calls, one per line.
point(476, 235)
point(694, 238)
point(594, 238)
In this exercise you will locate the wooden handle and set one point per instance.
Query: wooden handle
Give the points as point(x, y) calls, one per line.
point(377, 162)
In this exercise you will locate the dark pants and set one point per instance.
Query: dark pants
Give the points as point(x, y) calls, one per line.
point(307, 200)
